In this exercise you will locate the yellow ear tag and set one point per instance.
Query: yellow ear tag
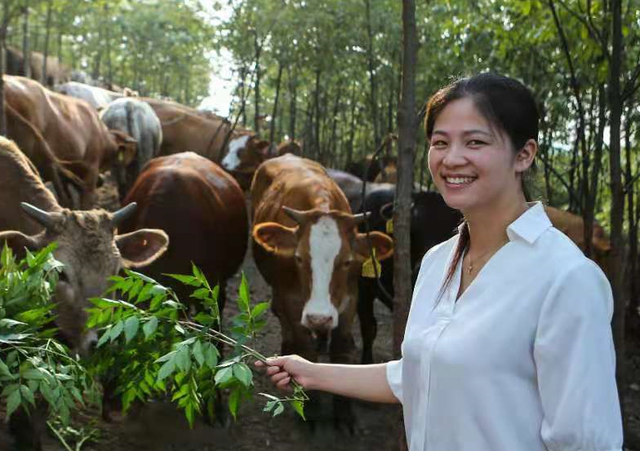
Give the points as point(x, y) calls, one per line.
point(390, 226)
point(121, 157)
point(368, 269)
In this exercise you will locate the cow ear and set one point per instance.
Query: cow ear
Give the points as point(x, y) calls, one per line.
point(276, 238)
point(142, 247)
point(381, 243)
point(18, 241)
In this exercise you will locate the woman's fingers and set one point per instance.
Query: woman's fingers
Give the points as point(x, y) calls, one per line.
point(278, 377)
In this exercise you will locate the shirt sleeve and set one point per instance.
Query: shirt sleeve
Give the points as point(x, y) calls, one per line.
point(394, 377)
point(575, 361)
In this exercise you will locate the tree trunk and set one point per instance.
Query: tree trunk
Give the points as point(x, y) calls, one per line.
point(107, 31)
point(633, 224)
point(26, 51)
point(274, 114)
point(352, 127)
point(45, 52)
point(407, 128)
point(60, 43)
point(256, 92)
point(373, 97)
point(293, 81)
point(617, 194)
point(317, 116)
point(588, 212)
point(4, 24)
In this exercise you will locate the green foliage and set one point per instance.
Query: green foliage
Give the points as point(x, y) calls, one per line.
point(150, 346)
point(33, 365)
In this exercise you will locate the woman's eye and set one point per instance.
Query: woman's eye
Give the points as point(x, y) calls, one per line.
point(476, 142)
point(438, 143)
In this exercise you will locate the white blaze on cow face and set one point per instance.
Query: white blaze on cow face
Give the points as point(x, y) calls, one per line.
point(324, 245)
point(232, 160)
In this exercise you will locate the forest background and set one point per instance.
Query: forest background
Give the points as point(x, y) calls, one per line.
point(329, 73)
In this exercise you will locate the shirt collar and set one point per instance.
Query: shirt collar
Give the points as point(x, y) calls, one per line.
point(530, 224)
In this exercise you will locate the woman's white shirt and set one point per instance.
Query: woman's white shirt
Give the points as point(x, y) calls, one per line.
point(523, 360)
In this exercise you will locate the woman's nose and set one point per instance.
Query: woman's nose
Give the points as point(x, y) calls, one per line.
point(454, 156)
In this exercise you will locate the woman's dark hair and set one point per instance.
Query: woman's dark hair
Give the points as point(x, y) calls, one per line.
point(507, 104)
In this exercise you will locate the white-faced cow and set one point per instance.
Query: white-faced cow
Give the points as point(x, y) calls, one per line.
point(307, 247)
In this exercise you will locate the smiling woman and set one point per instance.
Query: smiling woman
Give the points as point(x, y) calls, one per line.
point(508, 343)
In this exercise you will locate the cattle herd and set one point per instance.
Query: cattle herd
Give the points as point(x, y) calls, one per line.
point(183, 177)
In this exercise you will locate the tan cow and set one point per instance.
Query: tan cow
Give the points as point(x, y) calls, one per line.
point(573, 226)
point(89, 247)
point(72, 130)
point(307, 247)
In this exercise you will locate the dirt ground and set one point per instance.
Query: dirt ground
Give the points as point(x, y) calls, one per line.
point(160, 427)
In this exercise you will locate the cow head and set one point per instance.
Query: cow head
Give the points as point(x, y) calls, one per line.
point(245, 154)
point(328, 253)
point(91, 251)
point(127, 147)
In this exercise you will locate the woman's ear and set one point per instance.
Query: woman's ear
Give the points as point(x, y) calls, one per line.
point(526, 155)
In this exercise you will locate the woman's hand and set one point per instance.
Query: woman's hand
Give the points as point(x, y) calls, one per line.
point(283, 369)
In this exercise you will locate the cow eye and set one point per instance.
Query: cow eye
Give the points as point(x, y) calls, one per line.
point(63, 277)
point(346, 263)
point(298, 259)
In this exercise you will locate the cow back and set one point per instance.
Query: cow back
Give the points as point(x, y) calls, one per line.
point(200, 207)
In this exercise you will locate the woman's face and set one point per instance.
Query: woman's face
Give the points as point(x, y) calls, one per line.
point(472, 164)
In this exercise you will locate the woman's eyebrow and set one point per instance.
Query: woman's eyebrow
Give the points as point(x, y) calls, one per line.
point(464, 133)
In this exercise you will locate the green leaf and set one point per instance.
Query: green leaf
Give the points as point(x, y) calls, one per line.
point(259, 309)
point(279, 409)
point(166, 369)
point(243, 295)
point(211, 356)
point(187, 280)
point(166, 357)
point(198, 354)
point(183, 359)
point(131, 326)
point(150, 326)
point(116, 330)
point(298, 406)
point(10, 389)
point(224, 375)
point(243, 373)
point(234, 401)
point(33, 374)
point(13, 401)
point(27, 394)
point(4, 370)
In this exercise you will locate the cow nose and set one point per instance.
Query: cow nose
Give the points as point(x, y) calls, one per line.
point(319, 321)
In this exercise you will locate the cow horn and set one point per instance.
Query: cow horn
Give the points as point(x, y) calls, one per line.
point(361, 217)
point(40, 216)
point(123, 214)
point(296, 215)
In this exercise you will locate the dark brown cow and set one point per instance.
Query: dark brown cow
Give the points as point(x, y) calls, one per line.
point(72, 130)
point(307, 247)
point(203, 211)
point(88, 245)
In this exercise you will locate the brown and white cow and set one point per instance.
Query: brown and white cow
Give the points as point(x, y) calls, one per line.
point(72, 130)
point(185, 129)
point(248, 152)
point(89, 245)
point(307, 247)
point(203, 211)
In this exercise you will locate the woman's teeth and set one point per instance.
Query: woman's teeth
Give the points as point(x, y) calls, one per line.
point(459, 180)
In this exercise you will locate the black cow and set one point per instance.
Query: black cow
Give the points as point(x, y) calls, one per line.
point(432, 222)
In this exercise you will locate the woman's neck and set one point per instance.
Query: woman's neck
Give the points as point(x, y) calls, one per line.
point(489, 228)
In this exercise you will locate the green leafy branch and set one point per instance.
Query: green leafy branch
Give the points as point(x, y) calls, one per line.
point(150, 345)
point(33, 365)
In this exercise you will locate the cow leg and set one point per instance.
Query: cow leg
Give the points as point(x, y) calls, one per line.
point(28, 429)
point(341, 351)
point(368, 323)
